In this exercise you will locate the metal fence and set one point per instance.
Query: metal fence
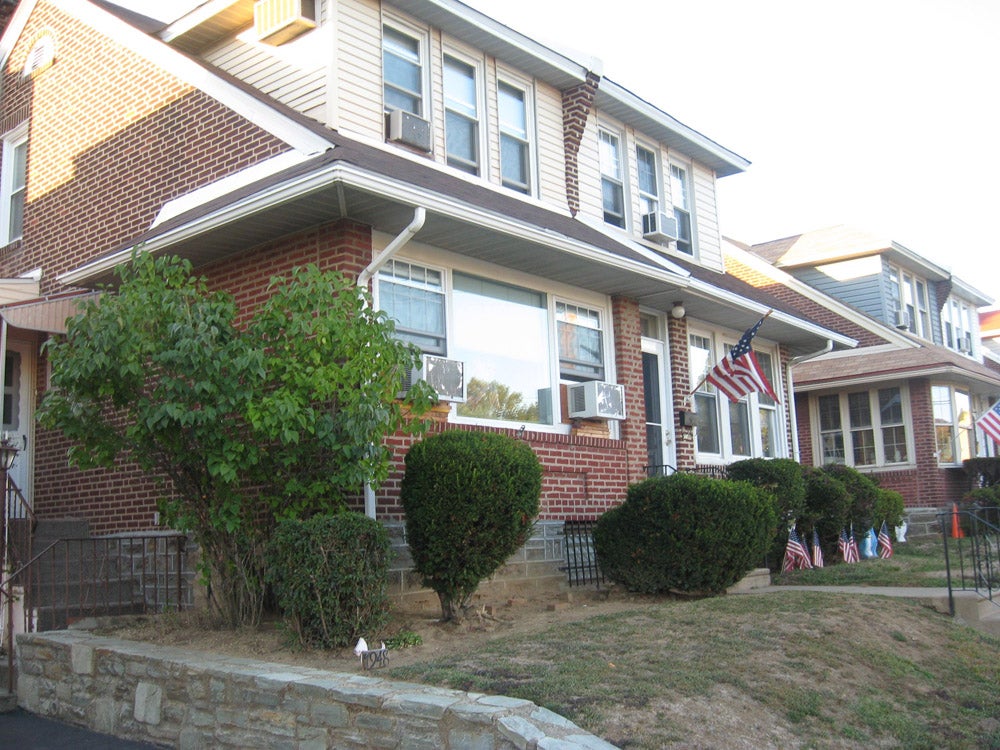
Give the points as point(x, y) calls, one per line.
point(581, 559)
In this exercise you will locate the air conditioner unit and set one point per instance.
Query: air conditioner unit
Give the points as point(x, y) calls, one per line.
point(902, 319)
point(659, 227)
point(963, 346)
point(278, 21)
point(410, 130)
point(445, 376)
point(596, 400)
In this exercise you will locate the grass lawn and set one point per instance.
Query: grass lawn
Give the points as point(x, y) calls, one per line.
point(785, 670)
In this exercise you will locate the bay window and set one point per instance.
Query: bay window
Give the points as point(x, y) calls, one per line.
point(863, 428)
point(953, 423)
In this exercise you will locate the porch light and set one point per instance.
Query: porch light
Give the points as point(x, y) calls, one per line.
point(8, 451)
point(677, 311)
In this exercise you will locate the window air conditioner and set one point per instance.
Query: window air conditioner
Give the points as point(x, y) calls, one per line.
point(963, 346)
point(278, 21)
point(902, 319)
point(410, 130)
point(659, 227)
point(596, 400)
point(445, 376)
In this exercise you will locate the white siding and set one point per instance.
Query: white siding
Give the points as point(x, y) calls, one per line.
point(589, 167)
point(709, 236)
point(359, 68)
point(551, 155)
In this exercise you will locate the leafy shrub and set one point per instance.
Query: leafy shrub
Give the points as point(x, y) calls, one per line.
point(863, 491)
point(889, 508)
point(783, 479)
point(470, 500)
point(329, 576)
point(983, 471)
point(985, 501)
point(828, 508)
point(685, 532)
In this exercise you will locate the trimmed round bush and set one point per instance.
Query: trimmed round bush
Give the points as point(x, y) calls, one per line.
point(685, 533)
point(828, 509)
point(329, 575)
point(863, 491)
point(470, 500)
point(784, 480)
point(889, 508)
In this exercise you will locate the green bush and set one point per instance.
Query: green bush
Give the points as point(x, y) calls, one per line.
point(685, 532)
point(863, 491)
point(983, 471)
point(828, 509)
point(470, 500)
point(329, 575)
point(985, 502)
point(889, 508)
point(784, 479)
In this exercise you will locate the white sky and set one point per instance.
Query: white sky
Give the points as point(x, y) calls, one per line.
point(882, 114)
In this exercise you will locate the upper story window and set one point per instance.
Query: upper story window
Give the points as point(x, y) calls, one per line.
point(403, 65)
point(461, 103)
point(953, 425)
point(649, 183)
point(908, 300)
point(726, 430)
point(13, 184)
point(863, 428)
point(957, 320)
point(680, 193)
point(612, 180)
point(515, 139)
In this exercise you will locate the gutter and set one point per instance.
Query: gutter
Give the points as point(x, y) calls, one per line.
point(791, 393)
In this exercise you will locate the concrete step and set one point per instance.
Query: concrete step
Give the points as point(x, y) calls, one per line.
point(50, 529)
point(978, 612)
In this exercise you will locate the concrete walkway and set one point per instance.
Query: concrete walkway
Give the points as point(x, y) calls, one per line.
point(900, 592)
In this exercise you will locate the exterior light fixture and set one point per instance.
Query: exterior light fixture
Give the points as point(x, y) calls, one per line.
point(677, 311)
point(8, 451)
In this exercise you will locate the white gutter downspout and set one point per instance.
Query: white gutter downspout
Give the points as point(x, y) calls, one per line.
point(791, 393)
point(415, 225)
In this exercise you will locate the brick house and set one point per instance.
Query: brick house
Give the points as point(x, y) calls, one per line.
point(511, 209)
point(902, 405)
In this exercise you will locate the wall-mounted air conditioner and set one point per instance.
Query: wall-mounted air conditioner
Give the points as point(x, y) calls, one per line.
point(410, 130)
point(659, 227)
point(446, 376)
point(902, 319)
point(278, 21)
point(596, 400)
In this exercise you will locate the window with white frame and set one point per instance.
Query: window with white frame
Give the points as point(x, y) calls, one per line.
point(403, 66)
point(461, 118)
point(909, 302)
point(517, 343)
point(515, 137)
point(612, 178)
point(13, 183)
point(953, 425)
point(864, 427)
point(726, 430)
point(957, 318)
point(649, 180)
point(680, 194)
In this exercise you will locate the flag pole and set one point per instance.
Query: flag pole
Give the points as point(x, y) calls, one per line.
point(702, 381)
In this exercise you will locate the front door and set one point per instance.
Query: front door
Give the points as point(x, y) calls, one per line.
point(659, 414)
point(17, 414)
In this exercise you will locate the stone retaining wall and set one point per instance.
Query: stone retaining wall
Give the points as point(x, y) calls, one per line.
point(192, 700)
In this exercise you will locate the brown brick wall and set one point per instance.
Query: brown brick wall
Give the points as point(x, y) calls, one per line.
point(577, 104)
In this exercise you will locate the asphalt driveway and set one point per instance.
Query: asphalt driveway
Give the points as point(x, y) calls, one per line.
point(24, 731)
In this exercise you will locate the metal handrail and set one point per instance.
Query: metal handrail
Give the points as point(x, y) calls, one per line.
point(15, 507)
point(976, 542)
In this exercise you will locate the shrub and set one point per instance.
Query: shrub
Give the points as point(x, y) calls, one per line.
point(985, 502)
point(685, 532)
point(470, 499)
point(329, 576)
point(828, 508)
point(863, 491)
point(889, 508)
point(983, 471)
point(783, 478)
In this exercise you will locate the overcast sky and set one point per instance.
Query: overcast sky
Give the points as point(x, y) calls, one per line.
point(881, 114)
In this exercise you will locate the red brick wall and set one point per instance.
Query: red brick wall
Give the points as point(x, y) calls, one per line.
point(628, 363)
point(677, 340)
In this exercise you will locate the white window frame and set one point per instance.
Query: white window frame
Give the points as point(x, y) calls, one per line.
point(423, 45)
point(649, 202)
point(720, 342)
point(957, 426)
point(528, 138)
point(479, 168)
point(683, 205)
point(904, 291)
point(554, 294)
point(847, 430)
point(613, 173)
point(960, 325)
point(9, 189)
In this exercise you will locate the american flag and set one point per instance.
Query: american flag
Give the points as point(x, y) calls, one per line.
point(990, 422)
point(884, 542)
point(817, 551)
point(848, 546)
point(739, 372)
point(796, 556)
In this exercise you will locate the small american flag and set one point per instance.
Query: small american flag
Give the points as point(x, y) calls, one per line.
point(817, 551)
point(739, 372)
point(796, 555)
point(990, 422)
point(884, 542)
point(847, 546)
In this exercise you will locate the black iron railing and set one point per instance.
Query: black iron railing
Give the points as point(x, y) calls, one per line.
point(972, 552)
point(581, 559)
point(17, 522)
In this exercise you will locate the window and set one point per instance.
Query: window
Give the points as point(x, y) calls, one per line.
point(402, 71)
point(612, 182)
point(515, 144)
point(13, 184)
point(959, 333)
point(725, 429)
point(952, 424)
point(649, 183)
point(517, 343)
point(680, 193)
point(461, 118)
point(863, 428)
point(908, 296)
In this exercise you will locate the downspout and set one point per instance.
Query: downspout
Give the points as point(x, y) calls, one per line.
point(791, 393)
point(394, 246)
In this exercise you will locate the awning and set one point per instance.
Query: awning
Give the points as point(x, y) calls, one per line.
point(48, 314)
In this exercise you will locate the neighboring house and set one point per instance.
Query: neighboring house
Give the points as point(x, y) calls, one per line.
point(989, 332)
point(512, 210)
point(902, 405)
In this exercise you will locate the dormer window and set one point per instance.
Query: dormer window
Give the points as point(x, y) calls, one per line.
point(402, 71)
point(515, 143)
point(649, 183)
point(461, 119)
point(680, 193)
point(612, 182)
point(908, 300)
point(956, 319)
